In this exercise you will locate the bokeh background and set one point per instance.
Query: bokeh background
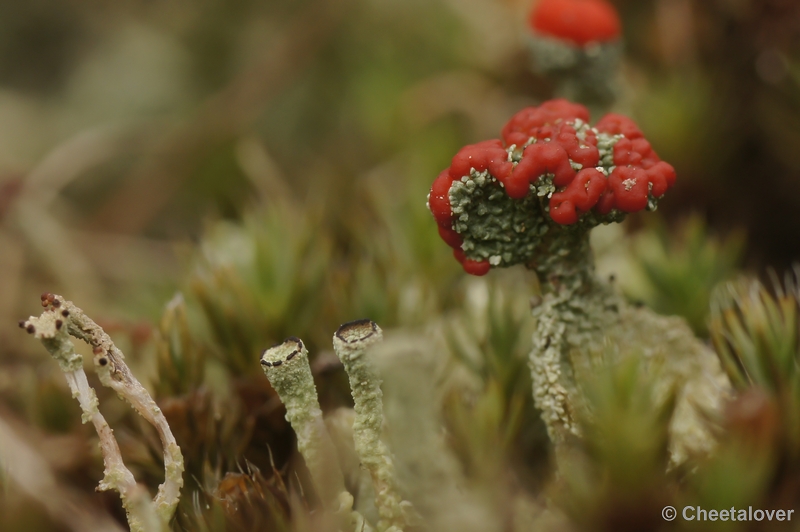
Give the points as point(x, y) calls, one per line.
point(269, 161)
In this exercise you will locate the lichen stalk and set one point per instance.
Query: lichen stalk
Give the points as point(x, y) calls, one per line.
point(573, 316)
point(287, 368)
point(50, 329)
point(109, 362)
point(351, 343)
point(579, 314)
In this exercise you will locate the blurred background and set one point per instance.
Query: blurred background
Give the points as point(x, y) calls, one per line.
point(269, 161)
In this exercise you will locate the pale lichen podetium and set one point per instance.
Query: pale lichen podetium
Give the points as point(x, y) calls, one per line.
point(351, 343)
point(60, 319)
point(287, 368)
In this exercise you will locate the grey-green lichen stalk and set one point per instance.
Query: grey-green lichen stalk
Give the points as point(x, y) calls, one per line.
point(61, 319)
point(574, 313)
point(351, 343)
point(585, 74)
point(287, 368)
point(579, 315)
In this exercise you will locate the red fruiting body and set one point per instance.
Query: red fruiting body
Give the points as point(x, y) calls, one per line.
point(629, 186)
point(452, 238)
point(539, 159)
point(638, 174)
point(476, 267)
point(582, 193)
point(439, 201)
point(662, 176)
point(487, 155)
point(605, 203)
point(473, 267)
point(578, 21)
point(618, 125)
point(587, 154)
point(537, 122)
point(551, 124)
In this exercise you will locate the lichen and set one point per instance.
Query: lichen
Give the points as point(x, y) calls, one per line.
point(287, 368)
point(60, 319)
point(351, 343)
point(533, 198)
point(493, 226)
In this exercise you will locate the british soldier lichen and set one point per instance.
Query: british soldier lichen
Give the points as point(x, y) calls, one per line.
point(532, 198)
point(500, 199)
point(580, 22)
point(577, 42)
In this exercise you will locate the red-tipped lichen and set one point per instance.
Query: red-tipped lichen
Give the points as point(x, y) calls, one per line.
point(473, 267)
point(577, 21)
point(499, 197)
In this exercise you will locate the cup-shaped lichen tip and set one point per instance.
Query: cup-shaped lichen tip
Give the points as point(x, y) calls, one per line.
point(358, 334)
point(284, 352)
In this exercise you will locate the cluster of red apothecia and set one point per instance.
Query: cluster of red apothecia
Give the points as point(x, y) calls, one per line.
point(580, 22)
point(638, 172)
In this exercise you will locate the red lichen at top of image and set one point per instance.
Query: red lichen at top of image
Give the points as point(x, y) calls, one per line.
point(578, 21)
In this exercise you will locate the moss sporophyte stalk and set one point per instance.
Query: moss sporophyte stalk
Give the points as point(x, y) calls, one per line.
point(532, 198)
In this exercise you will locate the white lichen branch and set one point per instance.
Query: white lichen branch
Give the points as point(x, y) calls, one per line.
point(50, 329)
point(62, 317)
